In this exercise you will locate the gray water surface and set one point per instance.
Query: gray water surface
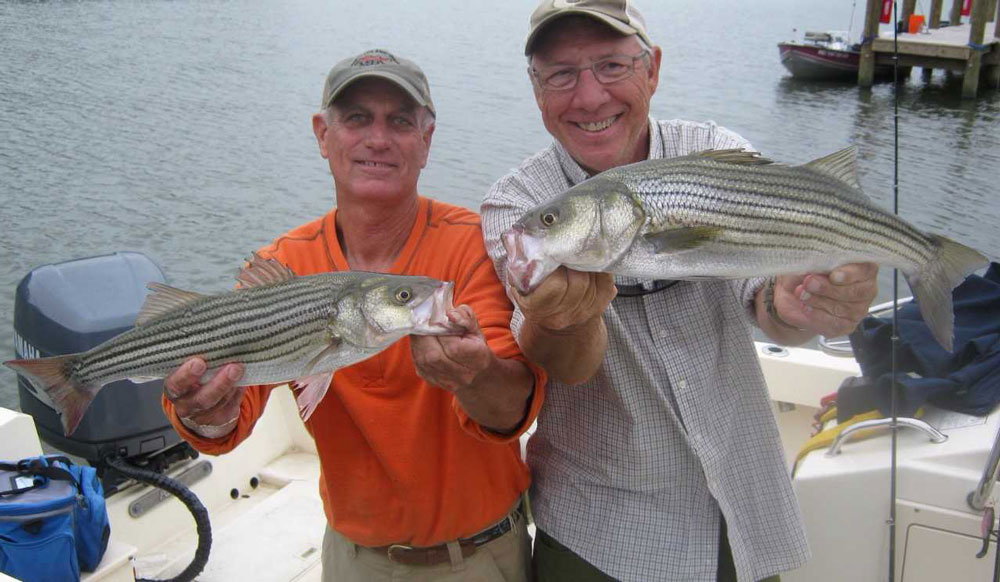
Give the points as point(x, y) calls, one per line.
point(182, 129)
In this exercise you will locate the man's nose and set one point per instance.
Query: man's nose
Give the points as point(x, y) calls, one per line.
point(377, 135)
point(589, 93)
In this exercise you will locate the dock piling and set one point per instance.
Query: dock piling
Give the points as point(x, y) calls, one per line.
point(996, 19)
point(934, 18)
point(866, 65)
point(955, 17)
point(970, 84)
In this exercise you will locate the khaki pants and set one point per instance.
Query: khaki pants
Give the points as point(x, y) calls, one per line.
point(504, 559)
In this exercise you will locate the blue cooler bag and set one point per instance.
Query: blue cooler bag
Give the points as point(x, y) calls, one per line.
point(53, 519)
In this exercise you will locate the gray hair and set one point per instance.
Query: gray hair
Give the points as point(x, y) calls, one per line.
point(642, 44)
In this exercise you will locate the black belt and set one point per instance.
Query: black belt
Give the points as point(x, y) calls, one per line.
point(432, 555)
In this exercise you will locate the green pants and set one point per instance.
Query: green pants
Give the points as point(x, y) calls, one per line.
point(554, 562)
point(727, 569)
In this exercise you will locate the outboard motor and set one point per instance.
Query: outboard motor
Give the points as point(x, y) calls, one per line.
point(71, 307)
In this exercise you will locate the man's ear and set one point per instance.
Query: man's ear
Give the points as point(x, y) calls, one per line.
point(655, 56)
point(427, 136)
point(534, 87)
point(319, 130)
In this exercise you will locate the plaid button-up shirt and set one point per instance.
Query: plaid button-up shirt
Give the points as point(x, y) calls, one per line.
point(632, 469)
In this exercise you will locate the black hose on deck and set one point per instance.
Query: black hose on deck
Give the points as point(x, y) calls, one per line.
point(189, 499)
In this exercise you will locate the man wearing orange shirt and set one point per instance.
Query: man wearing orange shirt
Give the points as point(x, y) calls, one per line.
point(421, 473)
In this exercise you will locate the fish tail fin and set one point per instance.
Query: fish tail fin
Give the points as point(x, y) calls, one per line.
point(309, 391)
point(54, 377)
point(933, 282)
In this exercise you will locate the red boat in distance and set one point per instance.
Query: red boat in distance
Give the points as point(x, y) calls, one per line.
point(825, 56)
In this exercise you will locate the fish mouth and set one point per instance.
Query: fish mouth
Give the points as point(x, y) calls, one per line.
point(527, 266)
point(430, 316)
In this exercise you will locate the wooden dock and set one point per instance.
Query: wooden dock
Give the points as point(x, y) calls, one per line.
point(971, 48)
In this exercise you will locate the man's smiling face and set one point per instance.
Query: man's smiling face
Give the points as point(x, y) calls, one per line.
point(601, 126)
point(376, 141)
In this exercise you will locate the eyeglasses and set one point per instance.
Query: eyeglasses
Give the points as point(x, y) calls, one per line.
point(606, 71)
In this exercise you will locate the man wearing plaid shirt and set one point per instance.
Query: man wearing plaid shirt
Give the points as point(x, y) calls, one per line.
point(656, 456)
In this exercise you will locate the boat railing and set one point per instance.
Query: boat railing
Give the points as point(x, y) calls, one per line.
point(980, 495)
point(935, 435)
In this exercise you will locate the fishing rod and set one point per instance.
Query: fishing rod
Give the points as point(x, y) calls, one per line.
point(893, 384)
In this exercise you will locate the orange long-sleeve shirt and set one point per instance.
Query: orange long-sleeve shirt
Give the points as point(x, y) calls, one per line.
point(401, 461)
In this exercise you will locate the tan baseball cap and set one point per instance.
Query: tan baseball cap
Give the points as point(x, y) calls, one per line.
point(620, 15)
point(382, 64)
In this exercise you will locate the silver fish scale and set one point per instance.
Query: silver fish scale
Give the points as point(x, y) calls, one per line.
point(806, 219)
point(271, 329)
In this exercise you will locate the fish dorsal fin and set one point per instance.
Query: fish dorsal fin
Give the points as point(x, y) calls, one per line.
point(260, 271)
point(842, 165)
point(164, 298)
point(733, 156)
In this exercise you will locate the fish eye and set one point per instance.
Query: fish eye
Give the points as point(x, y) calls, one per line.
point(404, 294)
point(550, 216)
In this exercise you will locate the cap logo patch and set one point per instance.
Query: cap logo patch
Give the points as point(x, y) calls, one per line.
point(373, 58)
point(564, 3)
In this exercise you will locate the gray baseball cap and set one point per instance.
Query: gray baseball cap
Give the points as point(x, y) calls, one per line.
point(620, 15)
point(384, 65)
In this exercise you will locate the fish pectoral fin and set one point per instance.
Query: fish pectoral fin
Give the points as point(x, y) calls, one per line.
point(309, 391)
point(260, 271)
point(842, 165)
point(675, 240)
point(163, 299)
point(734, 156)
point(329, 350)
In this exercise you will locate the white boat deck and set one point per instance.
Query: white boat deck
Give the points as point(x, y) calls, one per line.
point(270, 532)
point(273, 532)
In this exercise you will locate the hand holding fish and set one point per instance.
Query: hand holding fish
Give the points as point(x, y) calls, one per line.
point(493, 391)
point(210, 409)
point(563, 329)
point(453, 362)
point(823, 304)
point(566, 299)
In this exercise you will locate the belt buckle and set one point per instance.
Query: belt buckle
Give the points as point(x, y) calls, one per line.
point(396, 551)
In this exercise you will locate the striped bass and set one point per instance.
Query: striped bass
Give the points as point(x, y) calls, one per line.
point(733, 214)
point(282, 328)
